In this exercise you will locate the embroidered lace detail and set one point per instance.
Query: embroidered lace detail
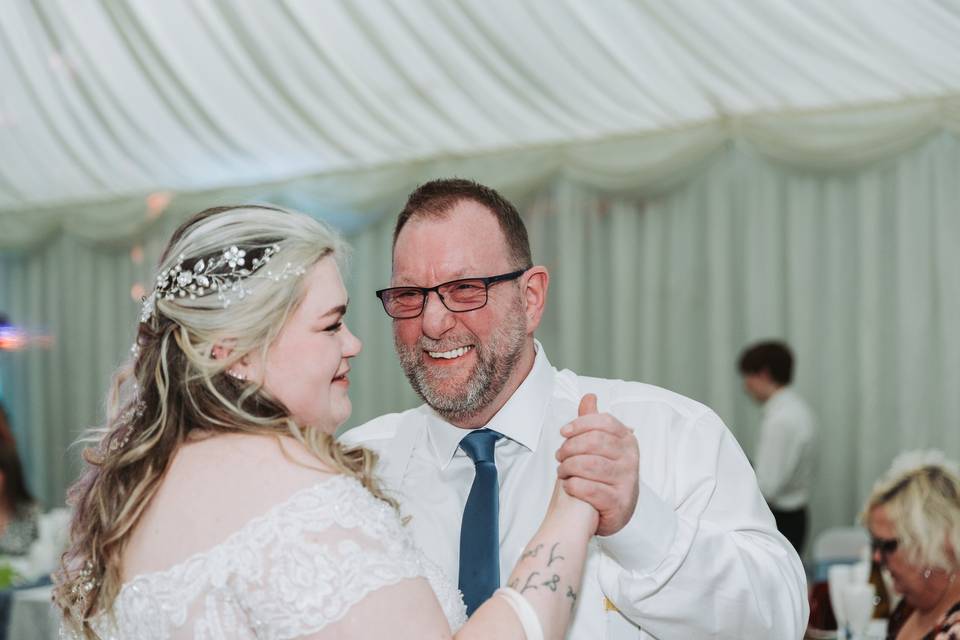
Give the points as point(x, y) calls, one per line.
point(288, 573)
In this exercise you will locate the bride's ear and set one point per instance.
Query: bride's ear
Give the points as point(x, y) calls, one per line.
point(222, 350)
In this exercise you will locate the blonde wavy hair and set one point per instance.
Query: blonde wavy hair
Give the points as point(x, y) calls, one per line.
point(174, 386)
point(921, 496)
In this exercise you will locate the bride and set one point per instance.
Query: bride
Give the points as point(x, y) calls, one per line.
point(216, 503)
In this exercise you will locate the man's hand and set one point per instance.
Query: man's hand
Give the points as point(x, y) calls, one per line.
point(600, 464)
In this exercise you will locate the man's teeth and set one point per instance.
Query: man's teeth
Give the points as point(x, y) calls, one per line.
point(449, 355)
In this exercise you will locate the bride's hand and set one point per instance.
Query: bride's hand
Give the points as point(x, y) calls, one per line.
point(572, 512)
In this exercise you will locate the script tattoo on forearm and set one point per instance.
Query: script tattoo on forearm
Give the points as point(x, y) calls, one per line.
point(573, 597)
point(552, 582)
point(532, 553)
point(554, 557)
point(532, 582)
point(528, 585)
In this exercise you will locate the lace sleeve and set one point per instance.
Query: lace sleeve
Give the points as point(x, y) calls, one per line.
point(407, 610)
point(306, 582)
point(295, 572)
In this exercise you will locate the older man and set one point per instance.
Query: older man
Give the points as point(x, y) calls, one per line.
point(686, 548)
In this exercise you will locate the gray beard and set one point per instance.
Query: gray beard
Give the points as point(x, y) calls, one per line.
point(495, 362)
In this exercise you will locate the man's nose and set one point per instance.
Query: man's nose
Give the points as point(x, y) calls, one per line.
point(436, 318)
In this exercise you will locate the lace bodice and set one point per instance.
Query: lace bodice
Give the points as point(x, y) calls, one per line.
point(288, 573)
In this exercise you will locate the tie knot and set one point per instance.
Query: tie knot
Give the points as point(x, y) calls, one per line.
point(479, 445)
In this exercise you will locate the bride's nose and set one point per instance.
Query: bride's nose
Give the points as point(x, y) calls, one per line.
point(351, 343)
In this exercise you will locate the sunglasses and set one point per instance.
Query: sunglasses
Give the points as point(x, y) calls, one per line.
point(885, 546)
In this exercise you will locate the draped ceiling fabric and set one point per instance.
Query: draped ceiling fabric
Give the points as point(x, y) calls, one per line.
point(727, 170)
point(342, 105)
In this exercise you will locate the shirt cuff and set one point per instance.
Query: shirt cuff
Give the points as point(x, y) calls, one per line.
point(645, 540)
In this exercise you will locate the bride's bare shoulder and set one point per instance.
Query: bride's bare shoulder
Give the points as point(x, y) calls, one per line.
point(265, 463)
point(213, 486)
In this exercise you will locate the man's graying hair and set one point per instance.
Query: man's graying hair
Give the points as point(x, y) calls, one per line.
point(436, 198)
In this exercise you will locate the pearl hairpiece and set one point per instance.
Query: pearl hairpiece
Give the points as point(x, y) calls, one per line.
point(223, 273)
point(83, 585)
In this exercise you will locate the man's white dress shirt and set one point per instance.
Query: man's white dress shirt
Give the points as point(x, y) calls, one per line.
point(701, 557)
point(786, 458)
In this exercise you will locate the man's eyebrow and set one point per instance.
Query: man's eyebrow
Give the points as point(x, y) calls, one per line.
point(456, 275)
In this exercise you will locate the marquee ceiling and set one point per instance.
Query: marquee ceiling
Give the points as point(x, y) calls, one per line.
point(107, 99)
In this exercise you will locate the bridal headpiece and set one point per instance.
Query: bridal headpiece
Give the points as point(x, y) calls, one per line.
point(226, 273)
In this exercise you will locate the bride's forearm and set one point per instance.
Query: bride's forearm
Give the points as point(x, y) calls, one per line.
point(547, 575)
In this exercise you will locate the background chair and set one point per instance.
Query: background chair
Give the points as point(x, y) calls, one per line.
point(837, 545)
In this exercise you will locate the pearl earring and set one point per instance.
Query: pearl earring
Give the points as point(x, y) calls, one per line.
point(927, 573)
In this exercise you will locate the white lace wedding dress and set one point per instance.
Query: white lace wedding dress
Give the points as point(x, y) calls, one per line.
point(292, 572)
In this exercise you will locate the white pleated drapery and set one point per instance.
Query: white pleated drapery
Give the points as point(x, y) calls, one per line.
point(858, 271)
point(341, 105)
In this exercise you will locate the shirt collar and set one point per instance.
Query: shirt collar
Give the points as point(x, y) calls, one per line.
point(520, 419)
point(779, 398)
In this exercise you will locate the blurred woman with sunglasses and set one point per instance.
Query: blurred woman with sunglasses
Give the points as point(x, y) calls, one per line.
point(913, 517)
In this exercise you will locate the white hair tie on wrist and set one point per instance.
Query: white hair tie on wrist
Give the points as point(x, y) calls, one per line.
point(526, 614)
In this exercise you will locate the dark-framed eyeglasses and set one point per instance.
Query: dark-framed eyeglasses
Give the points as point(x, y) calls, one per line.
point(885, 546)
point(465, 294)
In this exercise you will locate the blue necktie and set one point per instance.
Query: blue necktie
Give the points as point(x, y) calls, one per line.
point(480, 529)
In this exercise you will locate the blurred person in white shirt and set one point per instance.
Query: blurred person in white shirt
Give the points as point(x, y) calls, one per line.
point(785, 453)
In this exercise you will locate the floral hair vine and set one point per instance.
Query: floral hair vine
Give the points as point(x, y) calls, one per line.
point(223, 273)
point(83, 584)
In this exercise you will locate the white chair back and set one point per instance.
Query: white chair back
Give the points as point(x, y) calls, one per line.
point(837, 545)
point(53, 532)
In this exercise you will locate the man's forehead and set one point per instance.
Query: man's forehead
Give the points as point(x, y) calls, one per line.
point(465, 214)
point(464, 243)
point(429, 269)
point(400, 278)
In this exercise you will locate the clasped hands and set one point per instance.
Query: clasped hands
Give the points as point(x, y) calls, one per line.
point(600, 464)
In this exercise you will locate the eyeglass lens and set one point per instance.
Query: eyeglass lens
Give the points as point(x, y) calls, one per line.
point(460, 295)
point(885, 546)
